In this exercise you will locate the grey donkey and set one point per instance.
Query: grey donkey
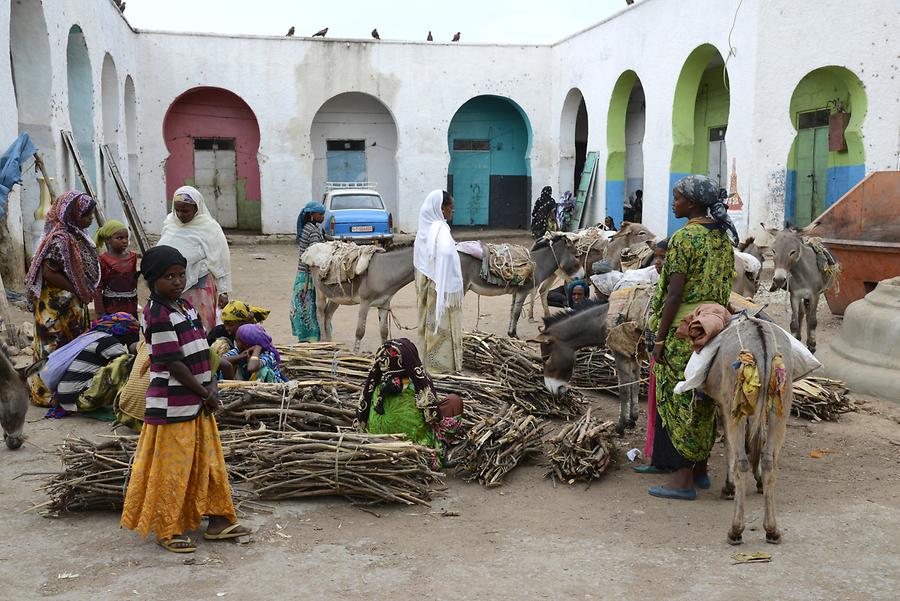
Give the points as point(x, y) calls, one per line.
point(14, 396)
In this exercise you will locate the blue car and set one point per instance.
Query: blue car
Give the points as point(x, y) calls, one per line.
point(357, 215)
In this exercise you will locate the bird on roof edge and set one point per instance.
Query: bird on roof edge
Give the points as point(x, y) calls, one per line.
point(430, 37)
point(455, 37)
point(321, 33)
point(629, 2)
point(375, 34)
point(290, 32)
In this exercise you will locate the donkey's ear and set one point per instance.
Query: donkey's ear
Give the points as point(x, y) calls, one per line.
point(771, 230)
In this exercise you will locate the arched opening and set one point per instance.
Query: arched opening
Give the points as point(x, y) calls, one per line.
point(624, 141)
point(700, 120)
point(354, 139)
point(29, 52)
point(827, 157)
point(213, 138)
point(81, 101)
point(131, 138)
point(109, 95)
point(490, 169)
point(573, 137)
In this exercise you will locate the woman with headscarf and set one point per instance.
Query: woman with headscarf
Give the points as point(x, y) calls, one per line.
point(62, 280)
point(191, 229)
point(439, 286)
point(304, 322)
point(235, 314)
point(565, 210)
point(544, 210)
point(255, 356)
point(578, 292)
point(398, 397)
point(698, 269)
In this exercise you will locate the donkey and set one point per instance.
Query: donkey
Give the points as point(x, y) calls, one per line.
point(800, 270)
point(387, 273)
point(14, 395)
point(746, 281)
point(629, 235)
point(548, 256)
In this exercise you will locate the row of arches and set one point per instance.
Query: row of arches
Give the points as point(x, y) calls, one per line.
point(826, 159)
point(213, 137)
point(32, 75)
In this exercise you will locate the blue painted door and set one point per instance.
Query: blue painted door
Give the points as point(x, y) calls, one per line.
point(471, 188)
point(346, 165)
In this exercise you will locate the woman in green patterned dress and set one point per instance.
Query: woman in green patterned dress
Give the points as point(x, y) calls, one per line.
point(699, 269)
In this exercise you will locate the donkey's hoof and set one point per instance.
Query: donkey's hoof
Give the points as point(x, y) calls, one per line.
point(630, 424)
point(759, 488)
point(620, 430)
point(773, 538)
point(727, 494)
point(735, 539)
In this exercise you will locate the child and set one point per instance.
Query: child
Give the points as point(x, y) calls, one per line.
point(117, 290)
point(255, 357)
point(178, 474)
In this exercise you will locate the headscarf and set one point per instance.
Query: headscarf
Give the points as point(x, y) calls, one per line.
point(310, 208)
point(435, 256)
point(201, 241)
point(705, 191)
point(543, 206)
point(239, 311)
point(565, 207)
point(252, 334)
point(116, 324)
point(159, 258)
point(63, 234)
point(106, 231)
point(577, 283)
point(663, 244)
point(395, 360)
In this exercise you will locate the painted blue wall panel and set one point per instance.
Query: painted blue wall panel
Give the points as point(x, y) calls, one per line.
point(790, 196)
point(346, 165)
point(674, 224)
point(615, 200)
point(840, 180)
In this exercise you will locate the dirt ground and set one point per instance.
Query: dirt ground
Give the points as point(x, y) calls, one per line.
point(840, 516)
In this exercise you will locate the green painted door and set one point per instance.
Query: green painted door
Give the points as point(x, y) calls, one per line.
point(812, 173)
point(471, 187)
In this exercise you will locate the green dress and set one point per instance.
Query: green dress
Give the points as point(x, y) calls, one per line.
point(706, 259)
point(402, 416)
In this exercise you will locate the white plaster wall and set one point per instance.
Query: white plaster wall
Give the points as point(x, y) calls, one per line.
point(634, 141)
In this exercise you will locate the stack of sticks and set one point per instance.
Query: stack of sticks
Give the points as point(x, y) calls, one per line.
point(581, 450)
point(298, 406)
point(495, 445)
point(821, 399)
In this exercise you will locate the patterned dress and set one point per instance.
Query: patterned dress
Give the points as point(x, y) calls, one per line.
point(304, 322)
point(442, 350)
point(706, 258)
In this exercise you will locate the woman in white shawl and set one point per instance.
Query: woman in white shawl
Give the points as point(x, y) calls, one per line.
point(439, 286)
point(192, 230)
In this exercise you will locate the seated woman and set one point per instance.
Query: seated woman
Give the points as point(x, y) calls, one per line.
point(107, 343)
point(235, 314)
point(398, 397)
point(570, 296)
point(255, 357)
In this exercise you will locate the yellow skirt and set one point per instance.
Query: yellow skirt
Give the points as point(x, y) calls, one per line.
point(177, 477)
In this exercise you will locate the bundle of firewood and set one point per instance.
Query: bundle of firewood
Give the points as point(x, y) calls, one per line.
point(324, 361)
point(519, 367)
point(93, 476)
point(821, 399)
point(301, 406)
point(495, 445)
point(580, 450)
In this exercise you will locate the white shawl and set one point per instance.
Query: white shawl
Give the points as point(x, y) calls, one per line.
point(434, 254)
point(201, 241)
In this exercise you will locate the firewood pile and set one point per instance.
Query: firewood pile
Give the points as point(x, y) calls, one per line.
point(93, 476)
point(296, 406)
point(581, 450)
point(497, 444)
point(821, 399)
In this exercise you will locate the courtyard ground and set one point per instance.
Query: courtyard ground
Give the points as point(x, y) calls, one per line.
point(840, 516)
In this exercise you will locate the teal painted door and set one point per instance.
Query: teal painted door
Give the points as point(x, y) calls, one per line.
point(471, 188)
point(346, 165)
point(812, 173)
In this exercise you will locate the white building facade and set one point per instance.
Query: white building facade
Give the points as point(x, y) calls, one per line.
point(748, 91)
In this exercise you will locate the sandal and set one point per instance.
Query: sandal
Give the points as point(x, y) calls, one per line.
point(177, 544)
point(227, 533)
point(682, 494)
point(650, 469)
point(702, 481)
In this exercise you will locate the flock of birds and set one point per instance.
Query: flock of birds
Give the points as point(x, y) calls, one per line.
point(323, 32)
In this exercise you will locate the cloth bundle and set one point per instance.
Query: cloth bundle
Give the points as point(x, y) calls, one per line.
point(627, 317)
point(703, 324)
point(339, 262)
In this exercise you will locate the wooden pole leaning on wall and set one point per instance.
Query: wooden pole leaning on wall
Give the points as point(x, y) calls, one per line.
point(127, 203)
point(39, 162)
point(82, 174)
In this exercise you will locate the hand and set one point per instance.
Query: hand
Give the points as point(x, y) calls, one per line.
point(211, 402)
point(223, 300)
point(658, 350)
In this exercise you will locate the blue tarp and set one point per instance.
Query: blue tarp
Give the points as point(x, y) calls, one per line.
point(11, 167)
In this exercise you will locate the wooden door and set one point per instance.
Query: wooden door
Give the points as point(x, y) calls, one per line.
point(215, 176)
point(812, 174)
point(471, 173)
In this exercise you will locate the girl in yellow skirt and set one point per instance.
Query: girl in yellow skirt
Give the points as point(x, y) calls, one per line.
point(178, 475)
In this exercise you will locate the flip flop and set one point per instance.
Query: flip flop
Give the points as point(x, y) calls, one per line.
point(169, 544)
point(650, 469)
point(227, 533)
point(702, 481)
point(681, 494)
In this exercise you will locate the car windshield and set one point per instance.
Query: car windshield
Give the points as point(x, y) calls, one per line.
point(356, 201)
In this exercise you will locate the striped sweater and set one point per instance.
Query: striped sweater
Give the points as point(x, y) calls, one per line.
point(78, 376)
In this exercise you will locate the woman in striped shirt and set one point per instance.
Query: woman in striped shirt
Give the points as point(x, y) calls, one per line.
point(178, 475)
point(303, 305)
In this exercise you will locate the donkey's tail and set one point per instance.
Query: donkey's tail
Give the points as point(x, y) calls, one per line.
point(768, 347)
